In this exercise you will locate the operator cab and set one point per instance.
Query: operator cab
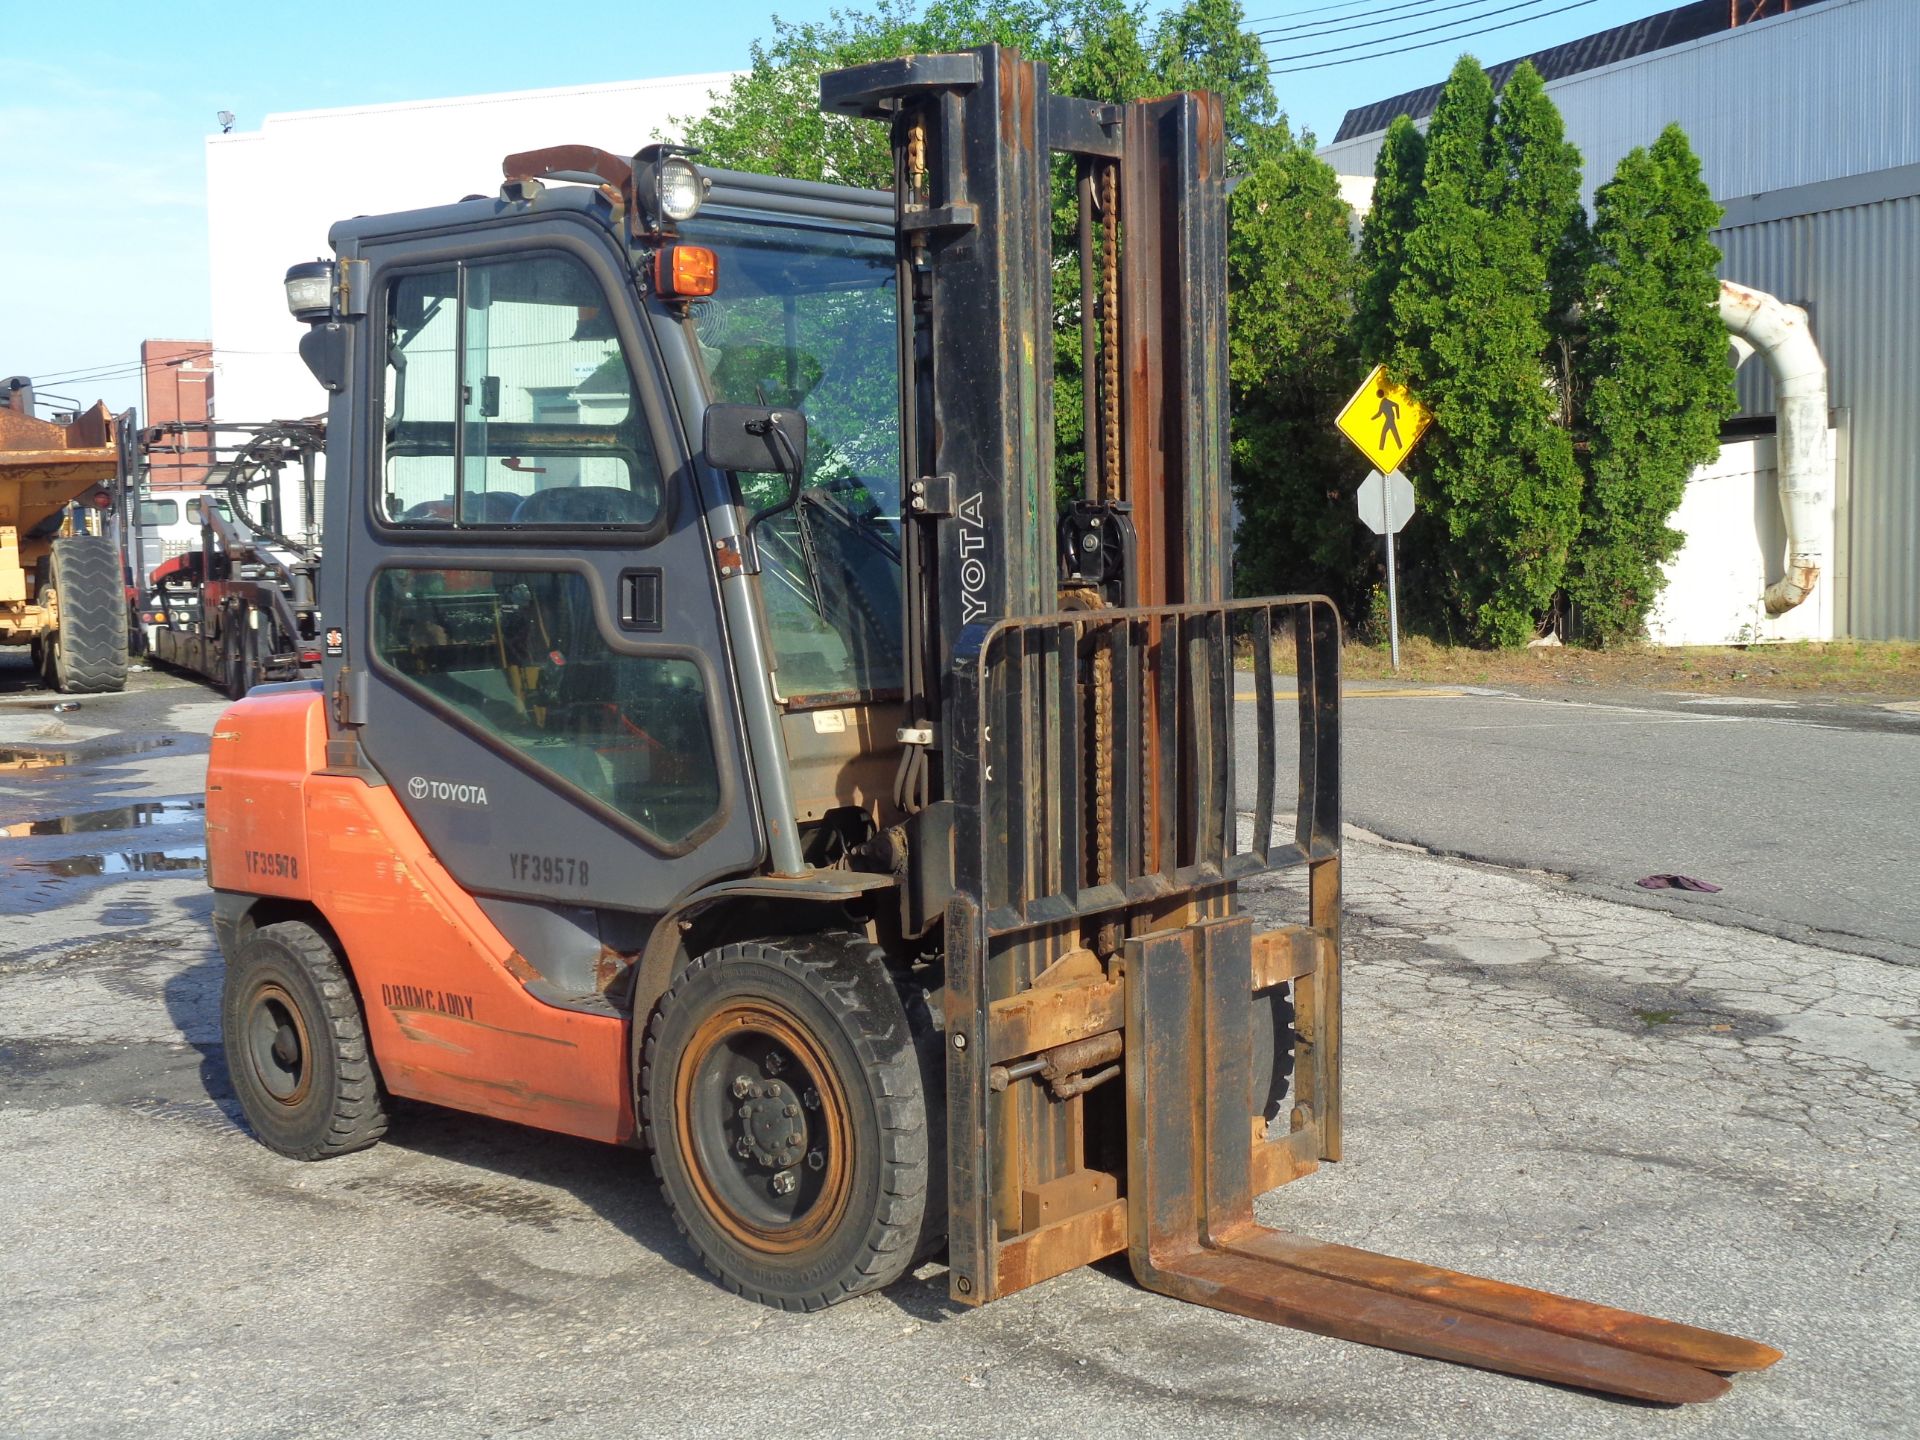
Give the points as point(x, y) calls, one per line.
point(599, 672)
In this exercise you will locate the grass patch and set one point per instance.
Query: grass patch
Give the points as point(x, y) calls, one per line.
point(1885, 670)
point(1651, 1018)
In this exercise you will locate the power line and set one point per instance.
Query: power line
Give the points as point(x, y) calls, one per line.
point(123, 370)
point(1378, 41)
point(1294, 14)
point(84, 371)
point(1425, 44)
point(1422, 9)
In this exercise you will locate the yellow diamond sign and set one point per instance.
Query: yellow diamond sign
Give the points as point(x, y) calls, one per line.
point(1384, 421)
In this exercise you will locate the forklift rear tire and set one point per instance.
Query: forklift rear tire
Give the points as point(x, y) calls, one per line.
point(784, 1096)
point(87, 653)
point(297, 1047)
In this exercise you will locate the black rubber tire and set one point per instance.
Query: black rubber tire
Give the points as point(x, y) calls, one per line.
point(340, 1107)
point(87, 655)
point(837, 989)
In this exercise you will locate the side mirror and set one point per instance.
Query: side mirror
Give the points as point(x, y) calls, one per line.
point(755, 439)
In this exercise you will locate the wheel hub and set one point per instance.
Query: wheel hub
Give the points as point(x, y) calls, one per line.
point(767, 1127)
point(277, 1046)
point(771, 1123)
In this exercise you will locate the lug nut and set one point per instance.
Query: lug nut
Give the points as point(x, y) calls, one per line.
point(746, 1112)
point(742, 1087)
point(784, 1183)
point(743, 1147)
point(790, 1111)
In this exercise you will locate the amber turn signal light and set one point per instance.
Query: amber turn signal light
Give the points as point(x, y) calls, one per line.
point(681, 272)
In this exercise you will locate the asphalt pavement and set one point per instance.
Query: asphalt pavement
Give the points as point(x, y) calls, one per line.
point(1542, 1085)
point(1805, 812)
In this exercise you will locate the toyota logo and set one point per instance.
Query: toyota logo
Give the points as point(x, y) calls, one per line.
point(417, 787)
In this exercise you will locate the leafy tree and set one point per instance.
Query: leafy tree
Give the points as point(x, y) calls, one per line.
point(1399, 173)
point(1469, 330)
point(1292, 265)
point(1291, 360)
point(1661, 386)
point(1204, 45)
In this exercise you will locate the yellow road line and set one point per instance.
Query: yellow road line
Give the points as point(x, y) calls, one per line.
point(1406, 694)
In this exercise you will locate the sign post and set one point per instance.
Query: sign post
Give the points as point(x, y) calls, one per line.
point(1385, 421)
point(1385, 503)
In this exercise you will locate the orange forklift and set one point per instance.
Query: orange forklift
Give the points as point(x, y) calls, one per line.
point(727, 746)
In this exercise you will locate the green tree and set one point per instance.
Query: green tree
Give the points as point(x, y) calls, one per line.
point(1288, 215)
point(1291, 360)
point(1542, 197)
point(1204, 45)
point(1399, 174)
point(1660, 386)
point(1470, 332)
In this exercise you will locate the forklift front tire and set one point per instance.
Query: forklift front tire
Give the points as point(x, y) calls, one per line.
point(296, 1045)
point(784, 1097)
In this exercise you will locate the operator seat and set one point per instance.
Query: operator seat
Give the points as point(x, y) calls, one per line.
point(581, 505)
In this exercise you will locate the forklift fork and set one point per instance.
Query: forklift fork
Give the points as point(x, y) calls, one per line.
point(1192, 1235)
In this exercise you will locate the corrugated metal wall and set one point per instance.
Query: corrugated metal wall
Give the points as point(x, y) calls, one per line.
point(1858, 270)
point(1801, 100)
point(1804, 97)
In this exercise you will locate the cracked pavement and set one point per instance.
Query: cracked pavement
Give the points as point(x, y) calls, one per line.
point(1543, 1086)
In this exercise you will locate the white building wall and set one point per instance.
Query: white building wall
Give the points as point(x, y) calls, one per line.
point(273, 193)
point(1736, 546)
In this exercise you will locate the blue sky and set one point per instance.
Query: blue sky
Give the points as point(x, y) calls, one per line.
point(105, 106)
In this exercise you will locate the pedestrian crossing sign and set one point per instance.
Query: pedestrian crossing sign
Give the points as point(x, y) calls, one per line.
point(1384, 421)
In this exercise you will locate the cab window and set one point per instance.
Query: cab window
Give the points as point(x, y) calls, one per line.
point(509, 403)
point(159, 512)
point(519, 655)
point(808, 319)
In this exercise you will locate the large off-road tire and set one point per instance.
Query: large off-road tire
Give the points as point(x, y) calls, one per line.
point(296, 1045)
point(789, 1102)
point(86, 653)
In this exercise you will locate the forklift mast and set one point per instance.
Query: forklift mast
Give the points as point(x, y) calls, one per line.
point(1069, 757)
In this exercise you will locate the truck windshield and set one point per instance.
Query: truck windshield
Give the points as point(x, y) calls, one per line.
point(806, 319)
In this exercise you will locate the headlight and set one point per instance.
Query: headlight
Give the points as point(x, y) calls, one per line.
point(310, 291)
point(667, 188)
point(681, 189)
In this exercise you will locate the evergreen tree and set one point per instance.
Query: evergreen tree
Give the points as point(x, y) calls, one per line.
point(1470, 332)
point(1661, 384)
point(1542, 196)
point(1399, 172)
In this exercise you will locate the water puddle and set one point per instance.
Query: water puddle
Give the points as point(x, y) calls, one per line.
point(122, 862)
point(138, 816)
point(45, 757)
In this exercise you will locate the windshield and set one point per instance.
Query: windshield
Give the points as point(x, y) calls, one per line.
point(806, 319)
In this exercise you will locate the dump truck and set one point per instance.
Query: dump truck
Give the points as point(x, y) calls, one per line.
point(62, 590)
point(730, 748)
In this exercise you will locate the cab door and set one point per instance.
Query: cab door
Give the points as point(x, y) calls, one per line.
point(530, 590)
